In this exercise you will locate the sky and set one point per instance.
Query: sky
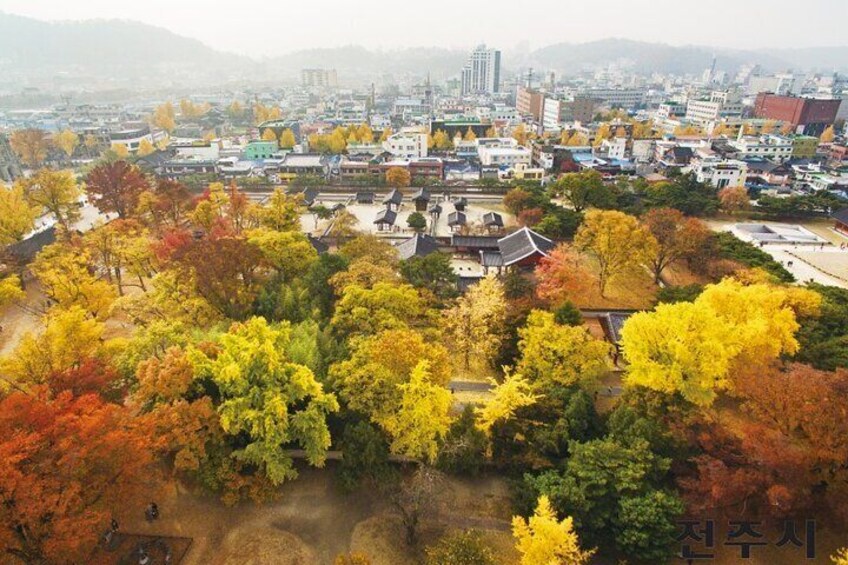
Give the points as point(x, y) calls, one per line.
point(274, 27)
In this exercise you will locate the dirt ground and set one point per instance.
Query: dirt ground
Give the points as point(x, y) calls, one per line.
point(314, 521)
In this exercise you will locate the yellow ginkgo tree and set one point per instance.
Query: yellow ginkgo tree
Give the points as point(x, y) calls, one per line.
point(544, 540)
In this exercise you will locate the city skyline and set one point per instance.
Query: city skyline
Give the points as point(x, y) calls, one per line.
point(330, 24)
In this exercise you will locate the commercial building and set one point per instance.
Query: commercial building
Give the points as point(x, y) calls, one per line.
point(319, 78)
point(407, 144)
point(482, 73)
point(529, 102)
point(720, 173)
point(616, 97)
point(498, 156)
point(809, 116)
point(773, 147)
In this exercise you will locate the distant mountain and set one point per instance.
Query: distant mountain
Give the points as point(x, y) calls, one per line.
point(648, 57)
point(111, 48)
point(825, 59)
point(100, 54)
point(357, 60)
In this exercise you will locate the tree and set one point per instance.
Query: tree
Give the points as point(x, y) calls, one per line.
point(542, 539)
point(370, 380)
point(519, 134)
point(676, 237)
point(463, 451)
point(460, 548)
point(841, 557)
point(513, 393)
point(518, 199)
point(828, 134)
point(17, 216)
point(617, 241)
point(10, 290)
point(562, 275)
point(565, 355)
point(54, 192)
point(363, 311)
point(646, 525)
point(684, 193)
point(823, 338)
point(353, 558)
point(433, 273)
point(67, 464)
point(64, 271)
point(476, 324)
point(164, 117)
point(282, 212)
point(698, 349)
point(441, 141)
point(417, 221)
point(172, 201)
point(121, 247)
point(422, 418)
point(469, 135)
point(582, 189)
point(30, 145)
point(69, 338)
point(290, 252)
point(366, 457)
point(189, 110)
point(67, 141)
point(145, 148)
point(530, 217)
point(603, 132)
point(415, 499)
point(269, 135)
point(120, 151)
point(116, 187)
point(734, 199)
point(225, 271)
point(698, 370)
point(267, 399)
point(287, 140)
point(398, 177)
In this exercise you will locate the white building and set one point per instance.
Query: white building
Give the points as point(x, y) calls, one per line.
point(482, 73)
point(510, 157)
point(614, 148)
point(719, 172)
point(772, 147)
point(407, 144)
point(708, 113)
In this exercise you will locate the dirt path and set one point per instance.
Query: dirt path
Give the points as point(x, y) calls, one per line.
point(313, 521)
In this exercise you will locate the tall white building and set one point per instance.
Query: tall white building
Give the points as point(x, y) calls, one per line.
point(482, 73)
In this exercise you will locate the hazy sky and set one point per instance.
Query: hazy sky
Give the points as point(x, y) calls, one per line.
point(269, 27)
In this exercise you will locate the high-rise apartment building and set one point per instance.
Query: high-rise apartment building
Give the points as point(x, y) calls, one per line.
point(482, 73)
point(322, 78)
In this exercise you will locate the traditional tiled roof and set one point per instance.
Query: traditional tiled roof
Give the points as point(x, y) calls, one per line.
point(523, 243)
point(386, 216)
point(456, 219)
point(492, 219)
point(394, 197)
point(419, 245)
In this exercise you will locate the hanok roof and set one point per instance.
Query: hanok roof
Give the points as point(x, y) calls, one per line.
point(419, 245)
point(25, 251)
point(492, 219)
point(612, 322)
point(456, 219)
point(460, 203)
point(840, 216)
point(522, 244)
point(318, 245)
point(422, 195)
point(435, 209)
point(386, 216)
point(394, 197)
point(364, 197)
point(475, 241)
point(491, 259)
point(309, 196)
